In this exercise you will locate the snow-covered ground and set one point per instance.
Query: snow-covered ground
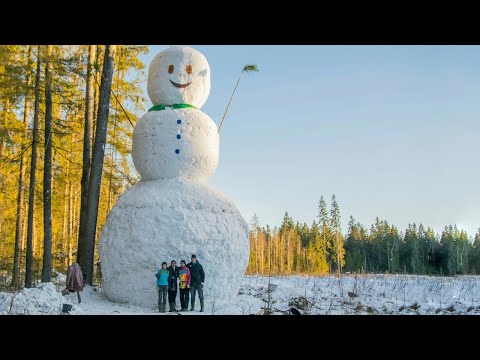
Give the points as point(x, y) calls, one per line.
point(366, 294)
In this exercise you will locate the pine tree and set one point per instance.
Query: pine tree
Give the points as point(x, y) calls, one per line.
point(21, 179)
point(338, 246)
point(33, 168)
point(475, 259)
point(325, 231)
point(287, 223)
point(87, 151)
point(354, 259)
point(47, 171)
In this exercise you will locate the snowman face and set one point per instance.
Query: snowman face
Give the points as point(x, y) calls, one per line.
point(178, 75)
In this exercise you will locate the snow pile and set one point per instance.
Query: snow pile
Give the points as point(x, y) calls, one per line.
point(42, 300)
point(162, 220)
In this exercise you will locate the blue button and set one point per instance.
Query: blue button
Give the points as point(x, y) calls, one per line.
point(177, 151)
point(179, 121)
point(179, 137)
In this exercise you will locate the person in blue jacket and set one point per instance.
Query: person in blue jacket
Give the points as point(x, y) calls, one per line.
point(162, 287)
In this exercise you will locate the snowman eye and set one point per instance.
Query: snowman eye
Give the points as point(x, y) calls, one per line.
point(189, 69)
point(170, 69)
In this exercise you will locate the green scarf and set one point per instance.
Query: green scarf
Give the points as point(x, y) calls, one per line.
point(173, 106)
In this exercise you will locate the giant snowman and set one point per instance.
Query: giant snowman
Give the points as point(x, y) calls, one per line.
point(171, 212)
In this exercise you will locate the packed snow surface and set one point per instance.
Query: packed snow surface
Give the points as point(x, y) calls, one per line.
point(362, 295)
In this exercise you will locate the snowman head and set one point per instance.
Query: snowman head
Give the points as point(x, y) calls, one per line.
point(178, 75)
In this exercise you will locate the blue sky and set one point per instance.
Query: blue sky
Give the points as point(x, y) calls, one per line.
point(392, 131)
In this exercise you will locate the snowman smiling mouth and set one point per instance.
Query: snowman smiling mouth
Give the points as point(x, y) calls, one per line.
point(181, 86)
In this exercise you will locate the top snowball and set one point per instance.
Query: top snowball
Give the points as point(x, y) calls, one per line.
point(179, 75)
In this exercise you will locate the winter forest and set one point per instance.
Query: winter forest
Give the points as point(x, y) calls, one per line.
point(67, 115)
point(321, 249)
point(50, 96)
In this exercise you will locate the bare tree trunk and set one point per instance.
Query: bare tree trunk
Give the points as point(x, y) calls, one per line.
point(24, 228)
point(289, 263)
point(307, 265)
point(33, 168)
point(97, 79)
point(47, 174)
point(65, 217)
point(109, 198)
point(70, 223)
point(34, 238)
point(262, 254)
point(65, 207)
point(75, 216)
point(112, 148)
point(21, 183)
point(269, 254)
point(87, 152)
point(97, 160)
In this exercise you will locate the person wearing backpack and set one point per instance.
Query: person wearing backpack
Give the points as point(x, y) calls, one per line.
point(162, 287)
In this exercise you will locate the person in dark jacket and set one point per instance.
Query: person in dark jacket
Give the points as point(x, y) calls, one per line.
point(162, 286)
point(184, 285)
point(172, 284)
point(197, 278)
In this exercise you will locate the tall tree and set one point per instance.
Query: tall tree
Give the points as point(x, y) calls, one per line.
point(323, 223)
point(47, 172)
point(316, 252)
point(97, 161)
point(87, 152)
point(339, 250)
point(33, 168)
point(21, 180)
point(475, 261)
point(354, 260)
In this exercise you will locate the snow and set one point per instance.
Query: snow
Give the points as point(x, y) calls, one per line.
point(348, 295)
point(45, 299)
point(160, 87)
point(162, 220)
point(155, 141)
point(367, 294)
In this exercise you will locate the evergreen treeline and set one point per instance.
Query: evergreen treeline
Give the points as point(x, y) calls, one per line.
point(321, 248)
point(50, 97)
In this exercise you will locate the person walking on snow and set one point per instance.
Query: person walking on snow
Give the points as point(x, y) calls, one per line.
point(162, 286)
point(197, 279)
point(172, 284)
point(184, 285)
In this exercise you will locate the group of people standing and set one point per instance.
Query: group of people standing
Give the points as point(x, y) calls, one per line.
point(187, 277)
